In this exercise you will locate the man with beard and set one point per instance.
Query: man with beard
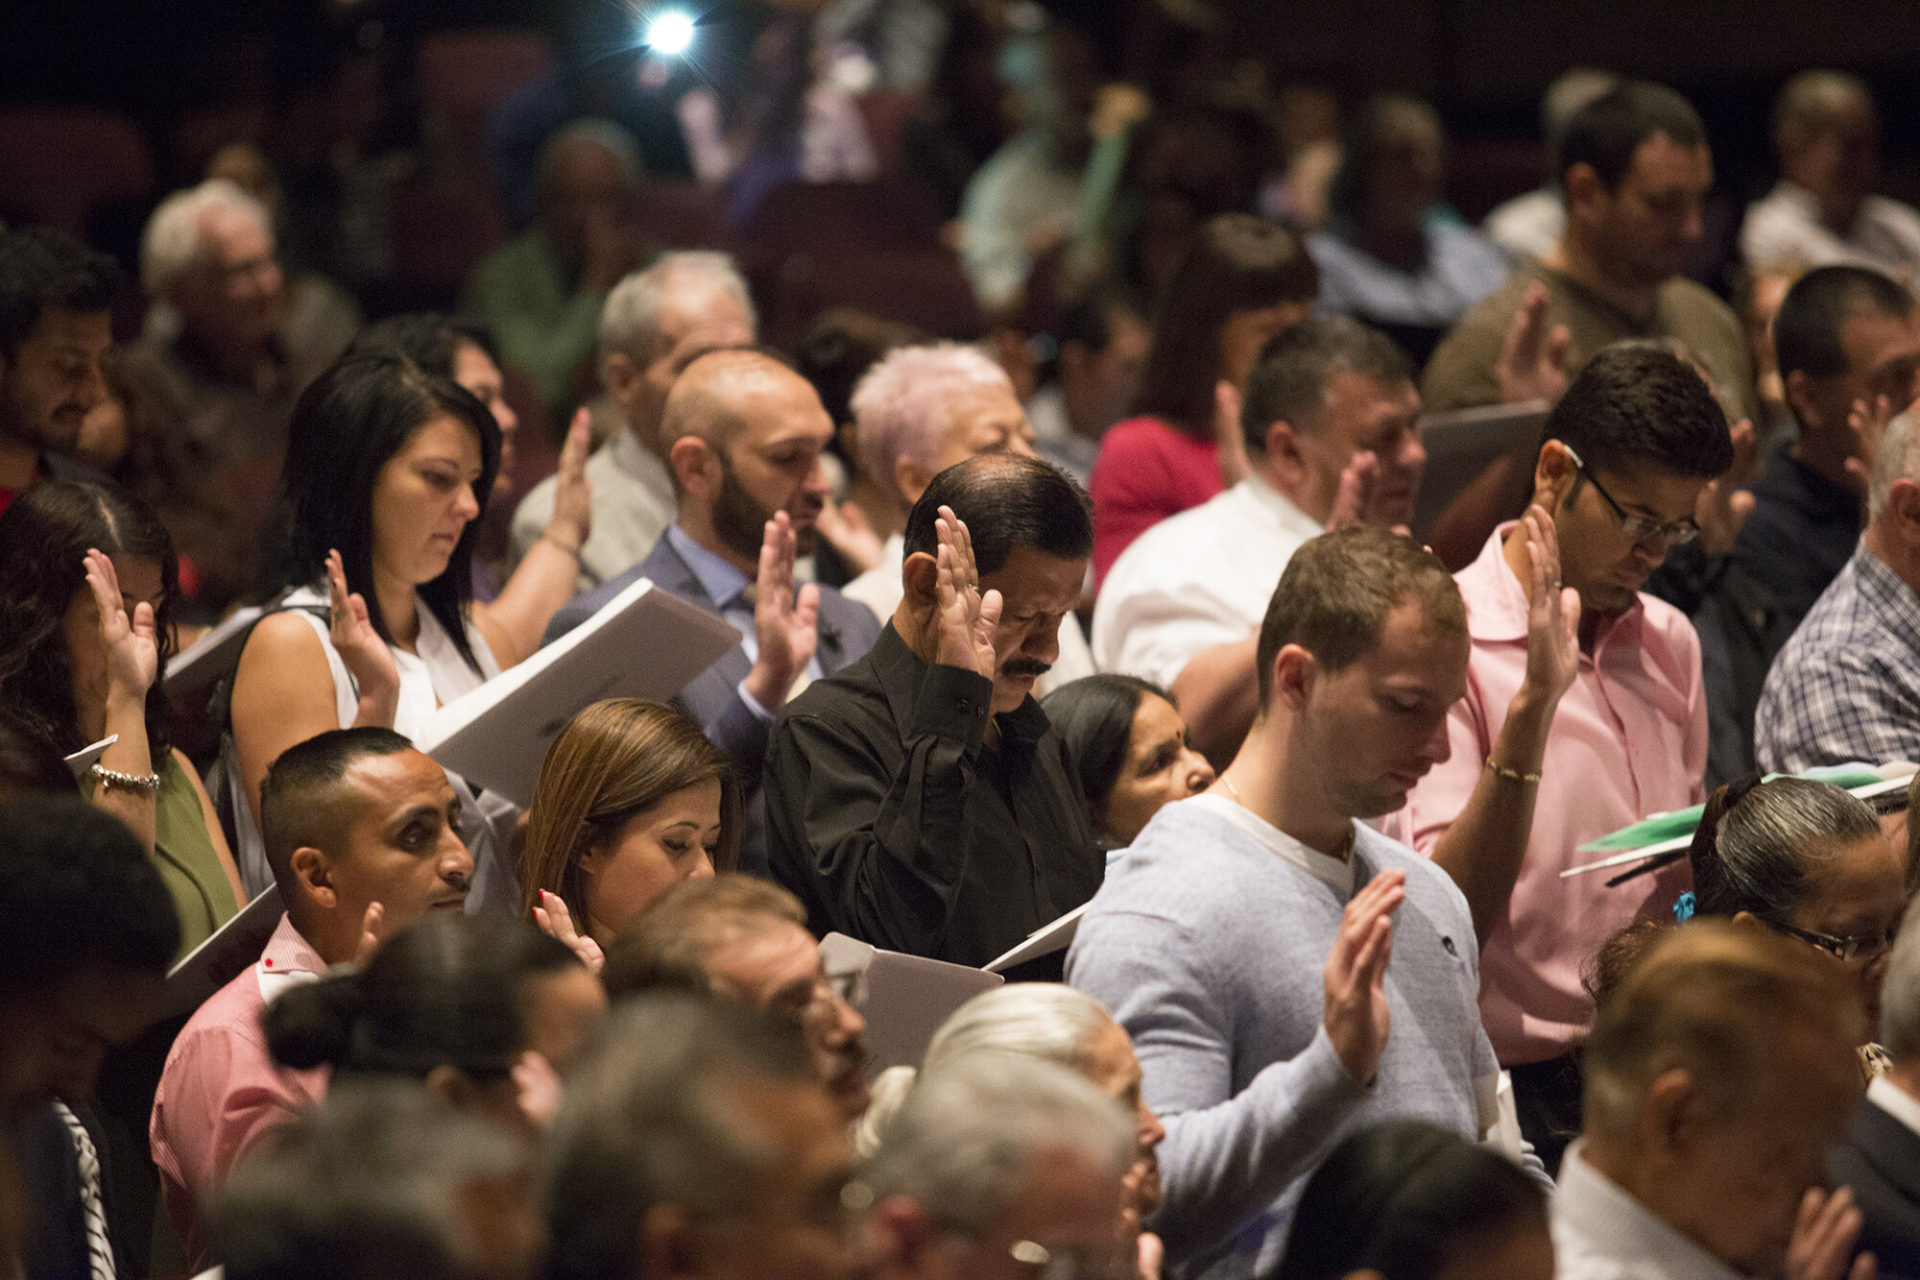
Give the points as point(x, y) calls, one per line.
point(920, 799)
point(55, 328)
point(743, 434)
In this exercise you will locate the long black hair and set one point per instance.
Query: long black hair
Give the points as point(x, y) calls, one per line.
point(347, 426)
point(44, 537)
point(1401, 1199)
point(1094, 717)
point(445, 991)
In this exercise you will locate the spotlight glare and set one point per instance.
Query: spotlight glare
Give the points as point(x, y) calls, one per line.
point(670, 32)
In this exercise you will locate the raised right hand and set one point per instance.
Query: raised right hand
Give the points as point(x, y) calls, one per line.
point(1357, 1017)
point(1533, 359)
point(965, 618)
point(368, 659)
point(1824, 1233)
point(132, 644)
point(1553, 613)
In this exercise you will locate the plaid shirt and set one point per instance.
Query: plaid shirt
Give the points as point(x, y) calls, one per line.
point(1847, 685)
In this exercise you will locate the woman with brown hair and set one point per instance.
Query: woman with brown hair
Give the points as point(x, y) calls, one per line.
point(632, 799)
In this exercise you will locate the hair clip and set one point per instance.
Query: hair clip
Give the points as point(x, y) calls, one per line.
point(1683, 907)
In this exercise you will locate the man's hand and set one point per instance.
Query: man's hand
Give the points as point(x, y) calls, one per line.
point(1824, 1233)
point(1533, 360)
point(1353, 501)
point(844, 526)
point(1553, 614)
point(572, 520)
point(1723, 505)
point(1868, 424)
point(785, 619)
point(1356, 975)
point(964, 618)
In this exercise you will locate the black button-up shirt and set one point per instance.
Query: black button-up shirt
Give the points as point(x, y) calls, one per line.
point(894, 823)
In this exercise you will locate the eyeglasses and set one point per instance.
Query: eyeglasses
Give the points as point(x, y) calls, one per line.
point(1638, 528)
point(1845, 950)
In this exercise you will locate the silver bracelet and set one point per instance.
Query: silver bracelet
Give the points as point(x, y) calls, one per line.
point(114, 780)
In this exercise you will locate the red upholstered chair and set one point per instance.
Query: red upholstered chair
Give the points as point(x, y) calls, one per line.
point(462, 75)
point(59, 164)
point(679, 213)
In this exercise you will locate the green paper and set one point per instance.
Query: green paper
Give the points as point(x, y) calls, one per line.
point(1680, 823)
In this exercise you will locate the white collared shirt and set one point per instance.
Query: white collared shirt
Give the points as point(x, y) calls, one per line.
point(1602, 1233)
point(1197, 580)
point(1895, 1101)
point(1784, 230)
point(633, 504)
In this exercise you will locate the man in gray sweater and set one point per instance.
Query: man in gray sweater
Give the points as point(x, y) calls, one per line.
point(1244, 941)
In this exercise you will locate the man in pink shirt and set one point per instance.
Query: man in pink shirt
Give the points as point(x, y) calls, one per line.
point(359, 828)
point(1584, 711)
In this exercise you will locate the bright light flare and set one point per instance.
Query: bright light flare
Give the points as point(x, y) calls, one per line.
point(669, 33)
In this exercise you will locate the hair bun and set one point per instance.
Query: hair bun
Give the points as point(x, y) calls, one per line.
point(311, 1025)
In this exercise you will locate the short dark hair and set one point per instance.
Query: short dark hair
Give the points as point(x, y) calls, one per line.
point(1605, 133)
point(1235, 262)
point(1806, 330)
point(1403, 1199)
point(427, 338)
point(1094, 717)
point(648, 1120)
point(665, 947)
point(1289, 380)
point(1006, 501)
point(445, 991)
point(1637, 405)
point(298, 800)
point(42, 269)
point(76, 888)
point(1337, 590)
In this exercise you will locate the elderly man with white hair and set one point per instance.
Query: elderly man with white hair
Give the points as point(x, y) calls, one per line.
point(229, 344)
point(917, 412)
point(653, 325)
point(1847, 685)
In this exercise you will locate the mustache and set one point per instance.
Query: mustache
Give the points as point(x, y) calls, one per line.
point(1025, 667)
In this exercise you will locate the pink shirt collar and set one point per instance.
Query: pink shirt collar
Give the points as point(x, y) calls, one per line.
point(1497, 600)
point(287, 960)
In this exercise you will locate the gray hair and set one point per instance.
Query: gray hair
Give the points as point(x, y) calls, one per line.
point(1290, 378)
point(630, 317)
point(170, 246)
point(1772, 842)
point(970, 1134)
point(1564, 99)
point(608, 135)
point(1900, 994)
point(1047, 1021)
point(900, 404)
point(1897, 458)
point(1809, 101)
point(649, 1119)
point(371, 1179)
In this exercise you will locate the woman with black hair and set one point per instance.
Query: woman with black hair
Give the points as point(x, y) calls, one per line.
point(88, 581)
point(388, 472)
point(486, 1011)
point(1807, 860)
point(1129, 749)
point(1408, 1201)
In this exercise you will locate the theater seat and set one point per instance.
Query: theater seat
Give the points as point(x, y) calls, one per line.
point(678, 213)
point(922, 287)
point(58, 165)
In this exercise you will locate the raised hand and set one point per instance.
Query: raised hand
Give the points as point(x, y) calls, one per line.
point(1357, 1018)
point(1533, 359)
point(572, 520)
point(372, 925)
point(131, 644)
point(1867, 423)
point(557, 922)
point(845, 528)
point(1353, 501)
point(965, 618)
point(1553, 613)
point(1824, 1233)
point(1723, 505)
point(368, 659)
point(785, 618)
point(1229, 434)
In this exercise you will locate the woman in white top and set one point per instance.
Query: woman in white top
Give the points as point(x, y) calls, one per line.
point(389, 468)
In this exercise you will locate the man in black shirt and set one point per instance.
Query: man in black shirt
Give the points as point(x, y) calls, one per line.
point(919, 799)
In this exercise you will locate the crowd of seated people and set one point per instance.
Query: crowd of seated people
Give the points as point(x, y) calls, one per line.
point(1119, 824)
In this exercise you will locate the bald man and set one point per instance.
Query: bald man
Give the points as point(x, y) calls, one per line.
point(743, 435)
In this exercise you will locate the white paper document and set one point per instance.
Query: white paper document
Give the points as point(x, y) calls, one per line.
point(1044, 941)
point(643, 643)
point(196, 668)
point(86, 757)
point(224, 956)
point(903, 998)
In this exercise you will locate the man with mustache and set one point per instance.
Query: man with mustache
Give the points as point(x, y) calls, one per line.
point(1585, 709)
point(743, 435)
point(747, 940)
point(1286, 973)
point(360, 830)
point(920, 799)
point(1331, 421)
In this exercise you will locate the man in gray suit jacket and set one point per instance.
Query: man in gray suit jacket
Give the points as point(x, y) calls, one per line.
point(744, 435)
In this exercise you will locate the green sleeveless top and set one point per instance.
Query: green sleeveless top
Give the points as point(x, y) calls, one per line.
point(183, 852)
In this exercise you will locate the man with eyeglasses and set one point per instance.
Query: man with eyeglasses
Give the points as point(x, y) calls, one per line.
point(746, 940)
point(1846, 686)
point(1571, 731)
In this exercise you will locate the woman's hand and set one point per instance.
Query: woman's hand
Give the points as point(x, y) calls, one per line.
point(131, 644)
point(557, 922)
point(368, 659)
point(571, 523)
